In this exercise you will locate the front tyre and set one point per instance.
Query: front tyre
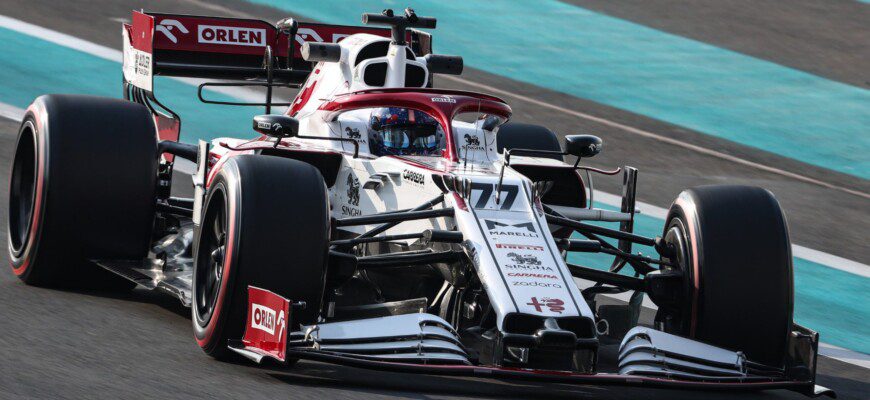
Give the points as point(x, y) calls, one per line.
point(732, 246)
point(265, 224)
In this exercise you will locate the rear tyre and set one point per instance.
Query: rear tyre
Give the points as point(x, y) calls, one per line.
point(82, 187)
point(265, 224)
point(526, 136)
point(732, 245)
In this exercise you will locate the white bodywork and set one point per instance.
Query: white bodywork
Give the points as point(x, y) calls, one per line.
point(510, 244)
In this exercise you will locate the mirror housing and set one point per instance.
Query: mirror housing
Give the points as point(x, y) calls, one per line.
point(583, 146)
point(276, 126)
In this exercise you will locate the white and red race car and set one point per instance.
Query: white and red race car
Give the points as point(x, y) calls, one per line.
point(382, 223)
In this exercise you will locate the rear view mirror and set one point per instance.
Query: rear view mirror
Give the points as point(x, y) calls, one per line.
point(277, 126)
point(583, 146)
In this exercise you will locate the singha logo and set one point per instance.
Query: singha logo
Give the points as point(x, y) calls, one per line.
point(352, 133)
point(352, 190)
point(527, 259)
point(471, 140)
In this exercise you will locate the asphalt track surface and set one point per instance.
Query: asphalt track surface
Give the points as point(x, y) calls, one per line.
point(75, 344)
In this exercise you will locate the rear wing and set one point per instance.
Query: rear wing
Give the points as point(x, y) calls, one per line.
point(157, 44)
point(227, 48)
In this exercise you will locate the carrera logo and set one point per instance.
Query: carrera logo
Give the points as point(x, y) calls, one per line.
point(263, 318)
point(531, 275)
point(518, 247)
point(232, 35)
point(413, 177)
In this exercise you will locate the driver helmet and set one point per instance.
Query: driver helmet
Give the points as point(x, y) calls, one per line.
point(402, 131)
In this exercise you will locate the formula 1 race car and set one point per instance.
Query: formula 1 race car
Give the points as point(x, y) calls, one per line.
point(382, 223)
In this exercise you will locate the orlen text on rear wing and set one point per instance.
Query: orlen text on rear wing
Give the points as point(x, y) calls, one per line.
point(223, 48)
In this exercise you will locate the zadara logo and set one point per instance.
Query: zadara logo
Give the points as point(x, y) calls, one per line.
point(232, 35)
point(263, 318)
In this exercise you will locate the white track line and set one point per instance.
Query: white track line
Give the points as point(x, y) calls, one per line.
point(107, 53)
point(655, 136)
point(11, 112)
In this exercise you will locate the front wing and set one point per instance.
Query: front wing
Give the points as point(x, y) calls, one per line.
point(373, 341)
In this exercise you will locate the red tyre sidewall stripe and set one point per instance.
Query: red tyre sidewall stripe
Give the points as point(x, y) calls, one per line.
point(30, 245)
point(229, 258)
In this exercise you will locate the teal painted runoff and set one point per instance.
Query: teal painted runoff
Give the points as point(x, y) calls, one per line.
point(622, 64)
point(30, 67)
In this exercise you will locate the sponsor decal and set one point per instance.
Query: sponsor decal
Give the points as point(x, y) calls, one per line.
point(531, 275)
point(352, 133)
point(443, 99)
point(538, 284)
point(527, 259)
point(522, 229)
point(137, 66)
point(471, 140)
point(413, 177)
point(529, 267)
point(472, 143)
point(352, 190)
point(268, 315)
point(167, 26)
point(263, 318)
point(240, 36)
point(518, 246)
point(307, 35)
point(276, 127)
point(552, 304)
point(350, 211)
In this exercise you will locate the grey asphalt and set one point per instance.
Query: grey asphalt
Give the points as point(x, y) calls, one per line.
point(67, 344)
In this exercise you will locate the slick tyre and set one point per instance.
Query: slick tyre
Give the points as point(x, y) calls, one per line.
point(732, 245)
point(81, 187)
point(265, 224)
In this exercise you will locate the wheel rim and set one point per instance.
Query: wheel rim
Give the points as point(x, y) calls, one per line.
point(22, 192)
point(210, 259)
point(675, 237)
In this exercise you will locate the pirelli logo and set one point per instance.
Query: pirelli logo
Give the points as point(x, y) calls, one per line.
point(518, 246)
